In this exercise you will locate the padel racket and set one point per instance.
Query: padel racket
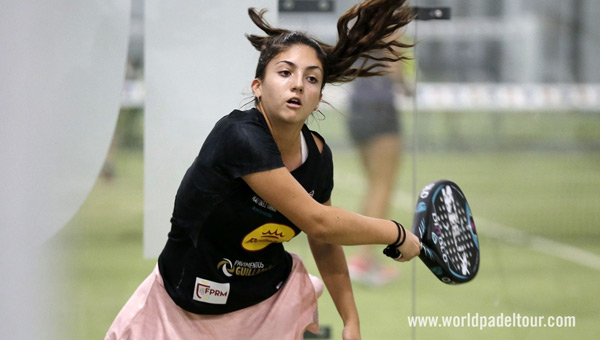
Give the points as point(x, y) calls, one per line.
point(444, 224)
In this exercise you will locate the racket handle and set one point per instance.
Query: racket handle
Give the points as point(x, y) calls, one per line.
point(393, 252)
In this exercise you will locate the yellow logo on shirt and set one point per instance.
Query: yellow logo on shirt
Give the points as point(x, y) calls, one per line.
point(266, 234)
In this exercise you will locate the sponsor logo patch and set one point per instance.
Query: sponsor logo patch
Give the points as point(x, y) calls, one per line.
point(262, 203)
point(266, 234)
point(211, 292)
point(242, 268)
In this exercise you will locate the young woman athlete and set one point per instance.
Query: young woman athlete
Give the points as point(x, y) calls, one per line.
point(260, 179)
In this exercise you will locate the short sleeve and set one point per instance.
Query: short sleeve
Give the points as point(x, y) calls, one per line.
point(247, 147)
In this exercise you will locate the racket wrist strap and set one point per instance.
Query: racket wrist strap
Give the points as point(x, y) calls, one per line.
point(392, 249)
point(401, 235)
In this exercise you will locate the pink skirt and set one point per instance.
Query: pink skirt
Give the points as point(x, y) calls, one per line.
point(150, 313)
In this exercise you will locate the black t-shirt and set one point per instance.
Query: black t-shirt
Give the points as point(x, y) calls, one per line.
point(224, 250)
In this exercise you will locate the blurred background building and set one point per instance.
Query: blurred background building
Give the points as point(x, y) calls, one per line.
point(499, 41)
point(534, 43)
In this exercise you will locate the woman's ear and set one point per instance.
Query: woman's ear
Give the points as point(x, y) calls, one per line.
point(256, 87)
point(320, 98)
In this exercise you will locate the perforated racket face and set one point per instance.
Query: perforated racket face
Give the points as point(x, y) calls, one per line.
point(444, 223)
point(452, 231)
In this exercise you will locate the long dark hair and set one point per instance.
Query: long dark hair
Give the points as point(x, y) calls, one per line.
point(365, 45)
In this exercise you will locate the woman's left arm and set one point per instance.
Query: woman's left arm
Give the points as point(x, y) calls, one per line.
point(331, 262)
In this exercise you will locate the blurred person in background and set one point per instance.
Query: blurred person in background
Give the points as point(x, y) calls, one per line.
point(375, 128)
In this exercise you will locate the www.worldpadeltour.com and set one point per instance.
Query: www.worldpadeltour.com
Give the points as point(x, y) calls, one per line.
point(514, 320)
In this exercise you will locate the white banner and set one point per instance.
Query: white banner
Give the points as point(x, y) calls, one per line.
point(506, 97)
point(61, 76)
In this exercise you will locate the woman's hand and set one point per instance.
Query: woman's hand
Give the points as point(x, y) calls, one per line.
point(410, 248)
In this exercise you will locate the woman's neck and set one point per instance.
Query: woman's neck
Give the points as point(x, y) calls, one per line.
point(287, 138)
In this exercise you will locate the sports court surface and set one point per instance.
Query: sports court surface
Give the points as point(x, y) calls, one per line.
point(534, 194)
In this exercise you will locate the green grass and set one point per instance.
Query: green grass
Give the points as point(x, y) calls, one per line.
point(554, 194)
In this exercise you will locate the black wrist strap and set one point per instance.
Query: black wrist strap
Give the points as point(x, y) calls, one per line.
point(392, 249)
point(401, 235)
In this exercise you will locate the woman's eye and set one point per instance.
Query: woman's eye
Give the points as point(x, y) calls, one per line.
point(285, 73)
point(313, 79)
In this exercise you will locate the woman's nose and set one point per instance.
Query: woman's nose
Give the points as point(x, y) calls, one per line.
point(298, 85)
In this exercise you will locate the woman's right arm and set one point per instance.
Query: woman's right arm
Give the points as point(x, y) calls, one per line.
point(325, 223)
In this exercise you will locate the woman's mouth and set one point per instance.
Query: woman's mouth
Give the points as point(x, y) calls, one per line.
point(294, 102)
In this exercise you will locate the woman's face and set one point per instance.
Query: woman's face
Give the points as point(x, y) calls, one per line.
point(291, 87)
